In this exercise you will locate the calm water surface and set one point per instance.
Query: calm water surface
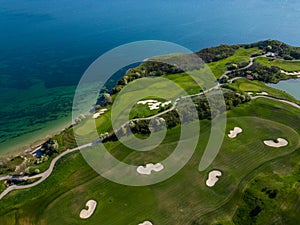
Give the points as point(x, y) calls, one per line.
point(47, 45)
point(290, 86)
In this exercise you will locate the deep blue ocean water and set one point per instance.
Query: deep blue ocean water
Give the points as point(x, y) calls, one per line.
point(47, 45)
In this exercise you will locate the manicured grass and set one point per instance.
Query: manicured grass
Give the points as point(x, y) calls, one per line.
point(286, 65)
point(241, 55)
point(186, 82)
point(258, 87)
point(2, 186)
point(182, 199)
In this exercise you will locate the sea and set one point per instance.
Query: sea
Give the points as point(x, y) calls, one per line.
point(45, 47)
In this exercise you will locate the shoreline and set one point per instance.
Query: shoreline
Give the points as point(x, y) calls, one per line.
point(36, 95)
point(16, 146)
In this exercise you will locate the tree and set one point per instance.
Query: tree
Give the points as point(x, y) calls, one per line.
point(107, 99)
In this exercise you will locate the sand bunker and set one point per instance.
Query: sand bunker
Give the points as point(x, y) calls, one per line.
point(96, 115)
point(166, 103)
point(291, 73)
point(146, 102)
point(213, 177)
point(235, 132)
point(263, 93)
point(280, 143)
point(146, 223)
point(87, 213)
point(154, 104)
point(147, 170)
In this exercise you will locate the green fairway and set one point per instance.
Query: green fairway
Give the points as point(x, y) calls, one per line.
point(182, 199)
point(286, 65)
point(241, 55)
point(185, 81)
point(245, 85)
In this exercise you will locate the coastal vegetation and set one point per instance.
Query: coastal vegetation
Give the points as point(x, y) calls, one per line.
point(239, 59)
point(261, 73)
point(283, 50)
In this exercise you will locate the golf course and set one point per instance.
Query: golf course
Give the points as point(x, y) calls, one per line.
point(254, 179)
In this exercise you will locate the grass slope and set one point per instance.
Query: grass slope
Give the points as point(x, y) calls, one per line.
point(182, 199)
point(245, 85)
point(286, 65)
point(241, 55)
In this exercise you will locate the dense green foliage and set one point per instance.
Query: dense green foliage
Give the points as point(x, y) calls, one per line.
point(283, 50)
point(232, 99)
point(260, 72)
point(271, 197)
point(8, 166)
point(217, 53)
point(160, 66)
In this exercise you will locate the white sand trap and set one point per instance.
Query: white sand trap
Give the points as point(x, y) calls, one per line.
point(103, 111)
point(234, 133)
point(146, 223)
point(291, 73)
point(87, 213)
point(96, 115)
point(250, 93)
point(154, 104)
point(213, 177)
point(263, 93)
point(147, 170)
point(146, 102)
point(166, 103)
point(281, 143)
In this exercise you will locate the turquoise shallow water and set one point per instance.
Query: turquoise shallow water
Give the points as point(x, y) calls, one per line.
point(22, 124)
point(47, 45)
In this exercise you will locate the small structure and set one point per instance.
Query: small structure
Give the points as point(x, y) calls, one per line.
point(271, 54)
point(250, 77)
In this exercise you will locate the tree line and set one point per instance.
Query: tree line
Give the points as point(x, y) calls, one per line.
point(281, 49)
point(259, 72)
